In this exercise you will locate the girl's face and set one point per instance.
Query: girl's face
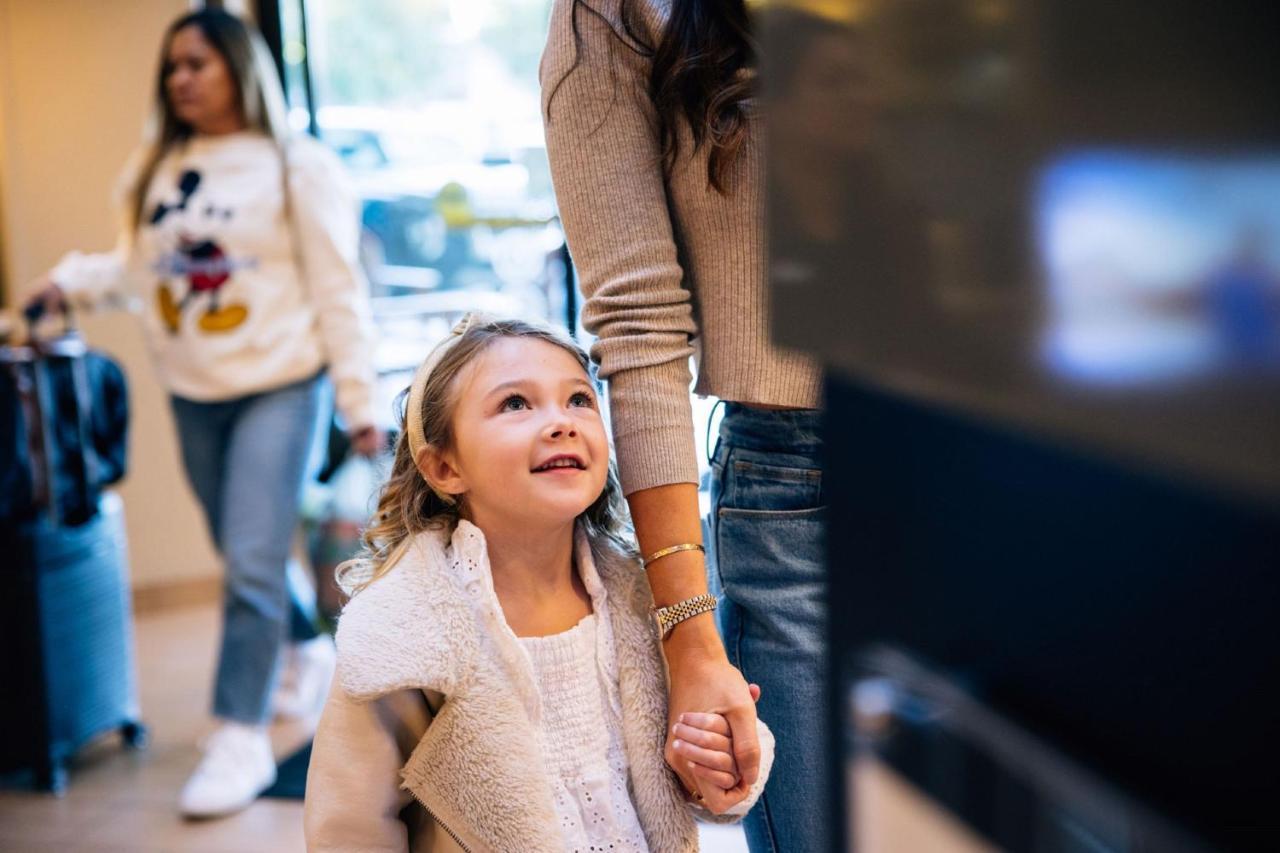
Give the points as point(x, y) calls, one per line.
point(199, 85)
point(529, 444)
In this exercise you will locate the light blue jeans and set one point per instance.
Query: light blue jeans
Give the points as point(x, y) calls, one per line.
point(247, 460)
point(767, 530)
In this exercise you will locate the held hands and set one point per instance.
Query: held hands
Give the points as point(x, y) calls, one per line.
point(702, 745)
point(704, 681)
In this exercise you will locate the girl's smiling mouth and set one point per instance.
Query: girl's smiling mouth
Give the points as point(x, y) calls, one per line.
point(561, 461)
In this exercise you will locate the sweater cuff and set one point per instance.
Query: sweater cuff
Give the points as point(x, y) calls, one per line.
point(653, 426)
point(85, 278)
point(657, 457)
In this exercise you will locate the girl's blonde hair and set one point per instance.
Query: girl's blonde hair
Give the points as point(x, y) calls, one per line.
point(408, 504)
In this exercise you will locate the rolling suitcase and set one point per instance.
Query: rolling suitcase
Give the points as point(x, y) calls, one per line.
point(65, 618)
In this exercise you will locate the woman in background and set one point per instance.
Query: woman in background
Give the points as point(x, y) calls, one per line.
point(240, 243)
point(657, 161)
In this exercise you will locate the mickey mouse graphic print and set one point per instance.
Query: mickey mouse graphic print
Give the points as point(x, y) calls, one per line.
point(244, 286)
point(201, 261)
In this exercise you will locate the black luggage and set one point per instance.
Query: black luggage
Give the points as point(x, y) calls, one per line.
point(64, 416)
point(65, 617)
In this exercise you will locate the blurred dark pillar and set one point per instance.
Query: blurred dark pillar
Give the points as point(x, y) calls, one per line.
point(267, 15)
point(1091, 564)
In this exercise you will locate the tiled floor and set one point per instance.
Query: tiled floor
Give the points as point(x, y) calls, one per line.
point(122, 801)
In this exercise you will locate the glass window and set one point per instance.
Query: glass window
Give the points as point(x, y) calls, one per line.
point(434, 107)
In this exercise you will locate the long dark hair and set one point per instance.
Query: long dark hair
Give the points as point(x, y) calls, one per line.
point(702, 73)
point(258, 91)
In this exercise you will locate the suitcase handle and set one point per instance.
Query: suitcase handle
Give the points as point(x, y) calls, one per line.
point(34, 313)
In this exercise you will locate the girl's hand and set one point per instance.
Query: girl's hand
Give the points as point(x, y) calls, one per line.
point(705, 742)
point(368, 441)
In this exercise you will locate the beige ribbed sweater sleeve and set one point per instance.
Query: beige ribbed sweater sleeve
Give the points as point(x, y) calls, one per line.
point(602, 140)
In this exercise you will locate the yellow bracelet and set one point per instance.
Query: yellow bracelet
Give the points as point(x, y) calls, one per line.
point(674, 549)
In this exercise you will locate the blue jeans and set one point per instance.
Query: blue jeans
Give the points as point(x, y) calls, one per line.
point(247, 460)
point(767, 529)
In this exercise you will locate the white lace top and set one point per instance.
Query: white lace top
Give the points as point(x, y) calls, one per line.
point(581, 736)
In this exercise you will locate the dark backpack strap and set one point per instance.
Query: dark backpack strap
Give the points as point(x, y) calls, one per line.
point(88, 450)
point(42, 460)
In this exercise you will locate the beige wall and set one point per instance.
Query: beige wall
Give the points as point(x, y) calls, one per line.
point(75, 79)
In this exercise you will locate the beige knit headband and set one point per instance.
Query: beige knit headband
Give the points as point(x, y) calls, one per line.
point(413, 414)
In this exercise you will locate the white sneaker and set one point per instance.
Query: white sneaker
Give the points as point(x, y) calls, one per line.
point(304, 678)
point(236, 768)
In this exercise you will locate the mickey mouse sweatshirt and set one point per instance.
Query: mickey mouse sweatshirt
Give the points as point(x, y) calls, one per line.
point(231, 306)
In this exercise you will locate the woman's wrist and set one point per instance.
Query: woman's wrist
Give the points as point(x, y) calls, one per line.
point(693, 638)
point(676, 577)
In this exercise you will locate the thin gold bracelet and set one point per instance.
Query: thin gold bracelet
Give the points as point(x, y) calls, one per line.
point(674, 549)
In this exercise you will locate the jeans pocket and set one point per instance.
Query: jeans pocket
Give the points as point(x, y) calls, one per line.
point(764, 547)
point(772, 565)
point(770, 484)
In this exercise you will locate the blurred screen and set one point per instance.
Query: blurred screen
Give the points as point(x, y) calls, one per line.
point(1063, 215)
point(1160, 269)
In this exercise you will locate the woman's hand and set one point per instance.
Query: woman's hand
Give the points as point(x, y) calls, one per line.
point(703, 681)
point(45, 293)
point(368, 441)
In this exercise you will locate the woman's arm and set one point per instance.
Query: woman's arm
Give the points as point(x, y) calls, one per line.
point(602, 142)
point(327, 225)
point(702, 679)
point(606, 163)
point(354, 798)
point(85, 280)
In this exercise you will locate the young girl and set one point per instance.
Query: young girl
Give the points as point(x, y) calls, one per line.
point(500, 685)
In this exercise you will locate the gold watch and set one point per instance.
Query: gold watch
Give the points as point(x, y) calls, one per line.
point(672, 615)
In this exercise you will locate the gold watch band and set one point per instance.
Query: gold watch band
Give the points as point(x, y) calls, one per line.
point(672, 615)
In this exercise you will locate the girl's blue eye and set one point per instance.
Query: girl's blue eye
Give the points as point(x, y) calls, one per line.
point(582, 399)
point(514, 403)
